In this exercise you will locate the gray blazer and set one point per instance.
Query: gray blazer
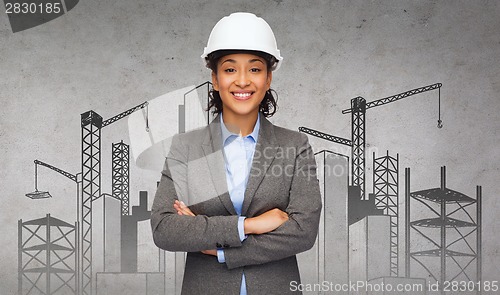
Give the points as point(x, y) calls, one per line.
point(283, 175)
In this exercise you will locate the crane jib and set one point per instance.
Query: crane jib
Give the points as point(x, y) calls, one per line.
point(396, 97)
point(60, 171)
point(124, 114)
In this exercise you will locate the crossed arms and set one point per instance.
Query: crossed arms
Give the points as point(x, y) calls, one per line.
point(272, 236)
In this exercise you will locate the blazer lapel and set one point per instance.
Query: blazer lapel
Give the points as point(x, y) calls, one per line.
point(212, 149)
point(265, 152)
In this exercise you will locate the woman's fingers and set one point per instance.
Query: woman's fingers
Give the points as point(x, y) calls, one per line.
point(177, 206)
point(210, 252)
point(186, 210)
point(182, 209)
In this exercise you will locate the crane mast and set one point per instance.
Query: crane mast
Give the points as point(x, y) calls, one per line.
point(358, 106)
point(91, 124)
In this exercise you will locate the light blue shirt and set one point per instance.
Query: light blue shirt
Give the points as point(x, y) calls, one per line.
point(238, 156)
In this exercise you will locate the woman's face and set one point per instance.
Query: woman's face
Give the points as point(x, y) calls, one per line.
point(242, 80)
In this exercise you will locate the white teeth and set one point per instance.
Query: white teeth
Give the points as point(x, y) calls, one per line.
point(242, 95)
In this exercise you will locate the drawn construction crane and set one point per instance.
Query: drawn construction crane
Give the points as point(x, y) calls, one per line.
point(91, 124)
point(358, 143)
point(358, 111)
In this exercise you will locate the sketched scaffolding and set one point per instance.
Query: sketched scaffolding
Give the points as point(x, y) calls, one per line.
point(121, 175)
point(47, 256)
point(386, 190)
point(446, 207)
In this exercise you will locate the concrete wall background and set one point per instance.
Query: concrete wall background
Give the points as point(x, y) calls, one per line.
point(111, 55)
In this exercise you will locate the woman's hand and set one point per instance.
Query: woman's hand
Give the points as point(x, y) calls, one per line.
point(266, 222)
point(210, 252)
point(182, 209)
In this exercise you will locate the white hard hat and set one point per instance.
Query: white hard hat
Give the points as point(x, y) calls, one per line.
point(243, 31)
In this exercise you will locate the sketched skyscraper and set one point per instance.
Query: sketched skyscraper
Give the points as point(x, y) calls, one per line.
point(328, 259)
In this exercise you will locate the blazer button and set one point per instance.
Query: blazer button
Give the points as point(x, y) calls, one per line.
point(226, 246)
point(218, 245)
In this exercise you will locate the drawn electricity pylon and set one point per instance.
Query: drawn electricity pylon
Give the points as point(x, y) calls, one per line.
point(358, 144)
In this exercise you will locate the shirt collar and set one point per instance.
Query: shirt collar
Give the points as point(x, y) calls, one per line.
point(226, 133)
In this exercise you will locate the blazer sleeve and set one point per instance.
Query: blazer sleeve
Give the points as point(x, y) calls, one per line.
point(299, 232)
point(173, 232)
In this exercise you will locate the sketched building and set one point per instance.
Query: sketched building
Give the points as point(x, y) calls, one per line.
point(129, 233)
point(141, 269)
point(327, 259)
point(368, 237)
point(369, 248)
point(47, 262)
point(112, 237)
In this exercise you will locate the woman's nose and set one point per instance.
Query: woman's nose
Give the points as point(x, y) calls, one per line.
point(242, 80)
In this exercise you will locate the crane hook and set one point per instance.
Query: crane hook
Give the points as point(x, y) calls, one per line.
point(147, 116)
point(440, 123)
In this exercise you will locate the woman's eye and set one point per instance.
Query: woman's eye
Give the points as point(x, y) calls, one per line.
point(229, 70)
point(255, 70)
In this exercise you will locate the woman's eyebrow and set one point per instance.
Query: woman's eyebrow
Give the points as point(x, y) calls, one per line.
point(250, 61)
point(228, 60)
point(255, 59)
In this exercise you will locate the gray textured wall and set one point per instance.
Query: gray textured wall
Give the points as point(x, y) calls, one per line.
point(111, 55)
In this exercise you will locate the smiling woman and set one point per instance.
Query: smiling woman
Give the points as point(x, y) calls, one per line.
point(220, 198)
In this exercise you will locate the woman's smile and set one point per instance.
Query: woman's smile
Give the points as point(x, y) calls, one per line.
point(242, 95)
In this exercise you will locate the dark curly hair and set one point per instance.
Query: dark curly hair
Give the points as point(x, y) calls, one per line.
point(268, 105)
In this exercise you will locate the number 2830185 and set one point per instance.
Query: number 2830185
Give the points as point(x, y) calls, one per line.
point(32, 8)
